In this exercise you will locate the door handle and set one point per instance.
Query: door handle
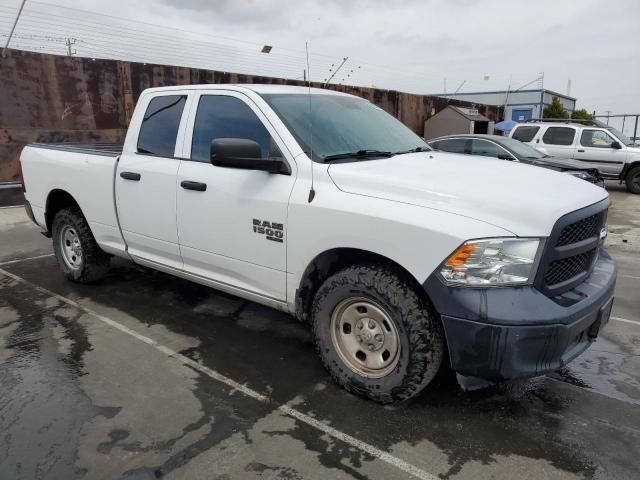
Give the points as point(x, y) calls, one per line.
point(130, 176)
point(197, 186)
point(581, 151)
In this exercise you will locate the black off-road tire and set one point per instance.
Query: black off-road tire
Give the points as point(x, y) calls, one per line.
point(95, 262)
point(418, 326)
point(633, 180)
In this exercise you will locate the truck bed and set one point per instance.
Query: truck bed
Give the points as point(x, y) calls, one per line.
point(105, 149)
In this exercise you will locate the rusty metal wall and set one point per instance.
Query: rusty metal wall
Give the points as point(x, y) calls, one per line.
point(51, 98)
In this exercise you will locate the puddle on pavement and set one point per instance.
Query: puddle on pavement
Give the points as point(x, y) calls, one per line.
point(272, 353)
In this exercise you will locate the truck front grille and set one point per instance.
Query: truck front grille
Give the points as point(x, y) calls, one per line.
point(564, 269)
point(572, 249)
point(580, 230)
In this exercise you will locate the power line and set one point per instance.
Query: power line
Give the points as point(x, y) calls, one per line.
point(394, 70)
point(13, 27)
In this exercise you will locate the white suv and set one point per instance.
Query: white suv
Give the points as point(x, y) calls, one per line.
point(607, 149)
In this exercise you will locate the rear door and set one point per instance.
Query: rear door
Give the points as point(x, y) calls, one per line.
point(595, 148)
point(232, 229)
point(145, 180)
point(557, 141)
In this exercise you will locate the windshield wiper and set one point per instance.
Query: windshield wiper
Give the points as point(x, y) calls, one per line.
point(358, 154)
point(413, 150)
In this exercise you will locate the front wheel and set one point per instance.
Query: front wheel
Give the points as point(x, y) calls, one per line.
point(633, 180)
point(375, 335)
point(75, 248)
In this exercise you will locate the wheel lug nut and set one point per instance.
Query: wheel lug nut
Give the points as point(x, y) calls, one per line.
point(370, 347)
point(378, 337)
point(371, 324)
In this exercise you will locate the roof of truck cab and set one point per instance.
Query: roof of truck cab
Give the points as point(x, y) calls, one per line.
point(254, 87)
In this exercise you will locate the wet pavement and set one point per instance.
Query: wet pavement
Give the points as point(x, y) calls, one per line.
point(148, 376)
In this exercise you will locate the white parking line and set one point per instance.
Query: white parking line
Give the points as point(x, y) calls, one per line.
point(10, 262)
point(631, 276)
point(618, 319)
point(285, 409)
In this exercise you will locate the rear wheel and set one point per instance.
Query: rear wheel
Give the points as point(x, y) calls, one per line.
point(633, 180)
point(77, 252)
point(375, 335)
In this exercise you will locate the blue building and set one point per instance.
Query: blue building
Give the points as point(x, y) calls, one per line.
point(520, 105)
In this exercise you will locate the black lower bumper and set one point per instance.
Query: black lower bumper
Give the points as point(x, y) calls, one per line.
point(516, 332)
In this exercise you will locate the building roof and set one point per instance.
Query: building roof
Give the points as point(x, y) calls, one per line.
point(504, 92)
point(470, 114)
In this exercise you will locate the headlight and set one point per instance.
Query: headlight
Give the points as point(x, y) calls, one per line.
point(578, 174)
point(493, 261)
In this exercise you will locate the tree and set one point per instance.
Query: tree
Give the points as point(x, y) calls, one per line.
point(582, 114)
point(555, 109)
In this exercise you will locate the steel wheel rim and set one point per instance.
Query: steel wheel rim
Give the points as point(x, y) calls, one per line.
point(636, 180)
point(70, 247)
point(365, 337)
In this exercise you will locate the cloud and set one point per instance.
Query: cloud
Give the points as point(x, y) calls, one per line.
point(413, 45)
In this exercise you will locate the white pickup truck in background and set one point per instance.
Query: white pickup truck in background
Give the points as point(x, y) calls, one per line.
point(323, 205)
point(603, 147)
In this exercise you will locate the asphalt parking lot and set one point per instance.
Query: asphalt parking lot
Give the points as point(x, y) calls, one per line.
point(149, 376)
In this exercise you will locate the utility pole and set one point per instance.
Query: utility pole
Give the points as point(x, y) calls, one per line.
point(15, 22)
point(608, 112)
point(69, 43)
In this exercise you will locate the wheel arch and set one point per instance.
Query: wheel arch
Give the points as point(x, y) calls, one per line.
point(333, 260)
point(56, 201)
point(628, 167)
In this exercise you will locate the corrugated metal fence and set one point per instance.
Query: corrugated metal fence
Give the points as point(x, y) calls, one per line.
point(51, 98)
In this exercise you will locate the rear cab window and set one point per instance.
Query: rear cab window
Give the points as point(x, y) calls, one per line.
point(160, 124)
point(525, 133)
point(559, 136)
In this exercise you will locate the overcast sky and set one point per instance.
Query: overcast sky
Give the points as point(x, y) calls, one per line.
point(409, 45)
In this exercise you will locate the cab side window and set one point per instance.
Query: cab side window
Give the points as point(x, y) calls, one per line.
point(487, 149)
point(160, 124)
point(525, 133)
point(454, 145)
point(220, 116)
point(596, 138)
point(559, 136)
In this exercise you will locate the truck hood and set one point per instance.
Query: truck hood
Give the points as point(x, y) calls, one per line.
point(523, 199)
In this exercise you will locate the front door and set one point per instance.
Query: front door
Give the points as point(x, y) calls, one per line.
point(595, 147)
point(145, 182)
point(233, 225)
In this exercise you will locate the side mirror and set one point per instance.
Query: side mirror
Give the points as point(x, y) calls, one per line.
point(243, 153)
point(616, 145)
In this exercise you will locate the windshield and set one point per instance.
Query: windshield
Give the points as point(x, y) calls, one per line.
point(621, 136)
point(342, 125)
point(521, 149)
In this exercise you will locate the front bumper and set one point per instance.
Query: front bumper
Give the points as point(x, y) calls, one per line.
point(504, 333)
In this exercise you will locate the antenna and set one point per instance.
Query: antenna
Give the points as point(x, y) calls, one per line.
point(312, 192)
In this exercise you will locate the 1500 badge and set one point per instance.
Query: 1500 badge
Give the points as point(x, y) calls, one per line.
point(271, 230)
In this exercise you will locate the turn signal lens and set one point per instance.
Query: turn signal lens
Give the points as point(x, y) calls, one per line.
point(460, 257)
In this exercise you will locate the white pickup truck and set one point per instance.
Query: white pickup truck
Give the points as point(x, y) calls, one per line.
point(323, 205)
point(593, 143)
